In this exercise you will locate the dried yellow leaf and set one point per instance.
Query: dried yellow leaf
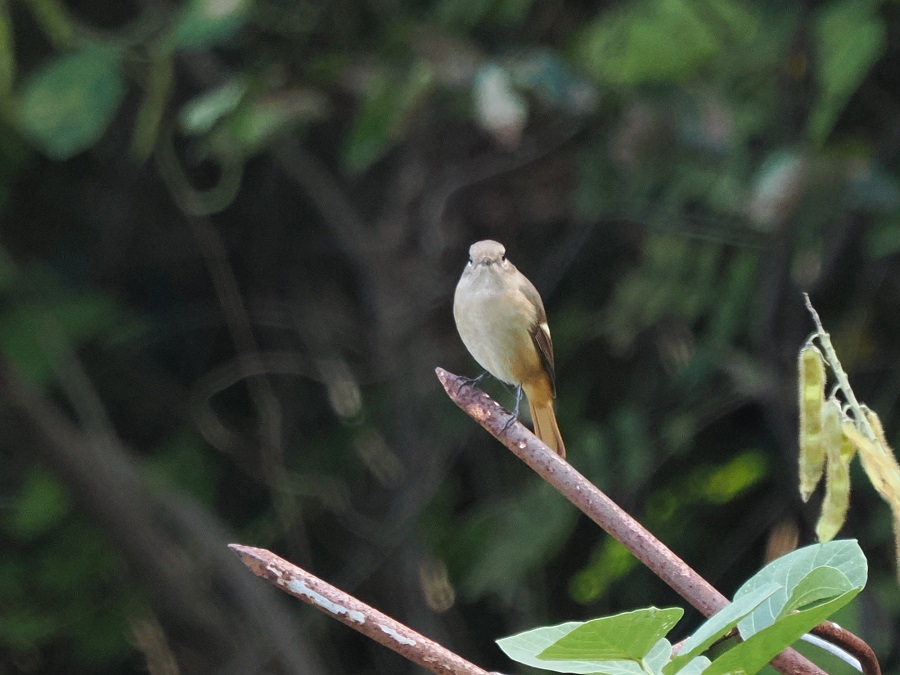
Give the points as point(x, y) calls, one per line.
point(811, 368)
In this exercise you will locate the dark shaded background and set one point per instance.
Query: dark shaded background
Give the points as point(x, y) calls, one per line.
point(230, 237)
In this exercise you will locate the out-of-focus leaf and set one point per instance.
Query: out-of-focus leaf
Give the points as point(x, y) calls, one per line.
point(203, 112)
point(56, 22)
point(258, 121)
point(509, 542)
point(873, 188)
point(67, 105)
point(662, 40)
point(608, 565)
point(779, 186)
point(883, 238)
point(26, 627)
point(380, 121)
point(183, 462)
point(39, 506)
point(74, 556)
point(34, 338)
point(468, 15)
point(543, 72)
point(850, 38)
point(204, 23)
point(499, 109)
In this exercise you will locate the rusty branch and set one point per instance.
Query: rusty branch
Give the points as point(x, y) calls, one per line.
point(350, 611)
point(599, 508)
point(850, 643)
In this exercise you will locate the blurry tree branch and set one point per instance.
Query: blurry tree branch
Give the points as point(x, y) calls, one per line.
point(598, 507)
point(172, 547)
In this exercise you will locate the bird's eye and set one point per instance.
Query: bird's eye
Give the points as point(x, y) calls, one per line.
point(503, 258)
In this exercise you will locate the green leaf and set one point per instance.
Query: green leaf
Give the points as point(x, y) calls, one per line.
point(658, 656)
point(695, 666)
point(256, 123)
point(183, 463)
point(816, 581)
point(752, 655)
point(204, 23)
point(509, 540)
point(380, 121)
point(35, 338)
point(625, 644)
point(67, 105)
point(662, 40)
point(40, 505)
point(850, 38)
point(719, 625)
point(791, 571)
point(203, 112)
point(883, 237)
point(525, 647)
point(627, 636)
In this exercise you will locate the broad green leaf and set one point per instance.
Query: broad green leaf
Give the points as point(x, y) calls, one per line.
point(752, 655)
point(67, 105)
point(627, 636)
point(662, 40)
point(850, 38)
point(790, 572)
point(524, 647)
point(204, 23)
point(658, 655)
point(380, 120)
point(527, 648)
point(719, 625)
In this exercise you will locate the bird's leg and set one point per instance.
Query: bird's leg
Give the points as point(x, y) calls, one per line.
point(518, 400)
point(515, 417)
point(470, 381)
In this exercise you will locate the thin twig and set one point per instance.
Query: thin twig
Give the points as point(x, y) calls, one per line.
point(350, 611)
point(598, 507)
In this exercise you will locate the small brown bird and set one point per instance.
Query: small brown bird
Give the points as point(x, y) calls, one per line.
point(501, 320)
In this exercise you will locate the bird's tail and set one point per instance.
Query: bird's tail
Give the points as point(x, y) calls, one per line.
point(544, 418)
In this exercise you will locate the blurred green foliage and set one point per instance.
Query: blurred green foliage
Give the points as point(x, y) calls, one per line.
point(230, 234)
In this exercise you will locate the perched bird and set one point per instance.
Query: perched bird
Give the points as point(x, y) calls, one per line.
point(501, 320)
